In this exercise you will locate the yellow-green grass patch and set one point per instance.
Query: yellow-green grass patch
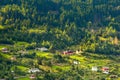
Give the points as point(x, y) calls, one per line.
point(25, 78)
point(22, 68)
point(82, 59)
point(1, 27)
point(36, 31)
point(64, 68)
point(44, 54)
point(3, 46)
point(21, 43)
point(6, 55)
point(45, 68)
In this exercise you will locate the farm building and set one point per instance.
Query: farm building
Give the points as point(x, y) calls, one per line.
point(33, 70)
point(43, 49)
point(94, 68)
point(105, 70)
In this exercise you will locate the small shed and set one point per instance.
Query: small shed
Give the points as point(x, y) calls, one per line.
point(94, 68)
point(43, 49)
point(33, 70)
point(13, 58)
point(76, 62)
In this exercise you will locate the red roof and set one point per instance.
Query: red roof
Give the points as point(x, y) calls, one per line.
point(68, 52)
point(32, 76)
point(105, 68)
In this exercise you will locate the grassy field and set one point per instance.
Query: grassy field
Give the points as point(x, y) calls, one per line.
point(1, 27)
point(5, 55)
point(3, 46)
point(63, 68)
point(21, 43)
point(44, 54)
point(23, 68)
point(25, 78)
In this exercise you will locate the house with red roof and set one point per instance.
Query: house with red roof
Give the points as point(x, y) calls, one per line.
point(32, 76)
point(69, 52)
point(105, 70)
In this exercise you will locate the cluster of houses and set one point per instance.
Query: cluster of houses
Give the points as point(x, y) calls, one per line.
point(42, 49)
point(70, 52)
point(104, 69)
point(94, 69)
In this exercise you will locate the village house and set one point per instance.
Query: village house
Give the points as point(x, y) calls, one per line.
point(76, 62)
point(105, 70)
point(94, 68)
point(113, 76)
point(32, 76)
point(33, 70)
point(23, 52)
point(13, 58)
point(69, 52)
point(43, 49)
point(4, 50)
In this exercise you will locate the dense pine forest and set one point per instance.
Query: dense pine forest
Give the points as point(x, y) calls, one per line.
point(91, 26)
point(58, 24)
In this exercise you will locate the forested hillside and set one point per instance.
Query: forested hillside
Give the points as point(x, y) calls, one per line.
point(92, 25)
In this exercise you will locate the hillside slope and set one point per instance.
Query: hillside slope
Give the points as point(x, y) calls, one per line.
point(92, 25)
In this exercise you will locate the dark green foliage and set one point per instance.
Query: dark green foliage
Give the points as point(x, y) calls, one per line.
point(32, 55)
point(49, 76)
point(60, 24)
point(58, 59)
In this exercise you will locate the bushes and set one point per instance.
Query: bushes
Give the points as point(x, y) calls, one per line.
point(30, 55)
point(6, 41)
